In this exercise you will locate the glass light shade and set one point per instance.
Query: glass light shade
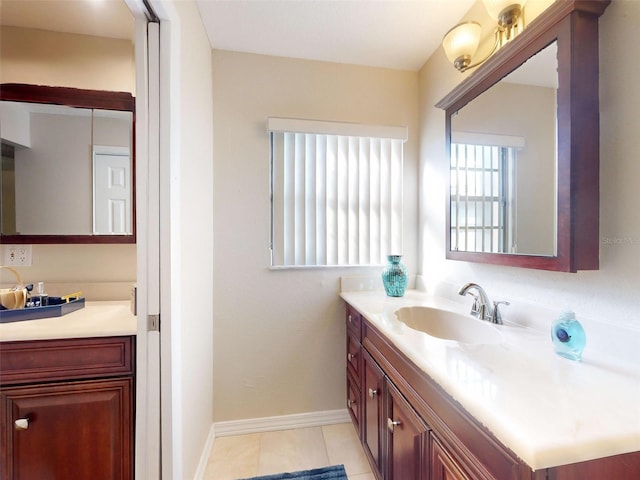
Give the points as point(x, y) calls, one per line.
point(462, 40)
point(496, 7)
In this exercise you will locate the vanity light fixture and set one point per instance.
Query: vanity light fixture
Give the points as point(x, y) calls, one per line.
point(462, 41)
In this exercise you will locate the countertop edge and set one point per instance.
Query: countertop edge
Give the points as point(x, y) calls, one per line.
point(96, 319)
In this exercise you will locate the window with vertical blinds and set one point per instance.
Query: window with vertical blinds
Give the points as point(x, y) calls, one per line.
point(336, 193)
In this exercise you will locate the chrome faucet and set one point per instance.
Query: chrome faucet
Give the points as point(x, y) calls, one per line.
point(482, 307)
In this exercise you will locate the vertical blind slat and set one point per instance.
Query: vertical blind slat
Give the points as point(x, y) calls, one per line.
point(385, 200)
point(374, 202)
point(321, 199)
point(364, 155)
point(298, 201)
point(277, 206)
point(288, 199)
point(332, 200)
point(343, 201)
point(310, 199)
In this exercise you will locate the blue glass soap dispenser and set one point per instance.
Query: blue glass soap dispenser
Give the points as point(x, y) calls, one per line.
point(568, 336)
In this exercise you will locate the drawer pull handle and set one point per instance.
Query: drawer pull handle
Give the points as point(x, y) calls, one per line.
point(391, 424)
point(351, 403)
point(350, 319)
point(373, 392)
point(22, 423)
point(351, 356)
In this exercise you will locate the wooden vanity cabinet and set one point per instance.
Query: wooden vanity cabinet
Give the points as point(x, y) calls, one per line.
point(436, 439)
point(67, 409)
point(392, 434)
point(409, 428)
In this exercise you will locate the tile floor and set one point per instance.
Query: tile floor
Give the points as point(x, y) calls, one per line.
point(267, 453)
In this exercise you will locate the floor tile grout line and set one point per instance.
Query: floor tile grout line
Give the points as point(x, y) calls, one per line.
point(324, 441)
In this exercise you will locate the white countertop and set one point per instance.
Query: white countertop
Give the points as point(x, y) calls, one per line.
point(548, 410)
point(96, 319)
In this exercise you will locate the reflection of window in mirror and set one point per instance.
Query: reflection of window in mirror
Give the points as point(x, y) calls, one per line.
point(522, 105)
point(484, 193)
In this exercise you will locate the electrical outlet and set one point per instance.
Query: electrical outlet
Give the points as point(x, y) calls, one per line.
point(17, 255)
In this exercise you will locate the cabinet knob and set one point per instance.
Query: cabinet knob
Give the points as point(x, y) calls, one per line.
point(391, 424)
point(350, 319)
point(22, 423)
point(351, 356)
point(350, 403)
point(373, 392)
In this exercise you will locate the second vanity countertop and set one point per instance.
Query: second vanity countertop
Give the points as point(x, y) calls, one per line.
point(548, 410)
point(96, 319)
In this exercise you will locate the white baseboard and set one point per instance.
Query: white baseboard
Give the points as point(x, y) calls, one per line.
point(283, 422)
point(206, 453)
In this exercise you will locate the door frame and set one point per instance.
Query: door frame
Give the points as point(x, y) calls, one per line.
point(158, 444)
point(148, 447)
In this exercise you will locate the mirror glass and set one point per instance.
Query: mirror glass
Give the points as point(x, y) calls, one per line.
point(504, 164)
point(65, 170)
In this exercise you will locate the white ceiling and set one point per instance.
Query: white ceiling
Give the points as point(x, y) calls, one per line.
point(398, 34)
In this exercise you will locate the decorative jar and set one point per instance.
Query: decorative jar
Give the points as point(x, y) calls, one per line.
point(394, 276)
point(568, 336)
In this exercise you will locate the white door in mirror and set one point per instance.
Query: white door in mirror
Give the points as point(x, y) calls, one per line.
point(111, 193)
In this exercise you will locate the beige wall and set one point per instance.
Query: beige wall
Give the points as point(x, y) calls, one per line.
point(191, 240)
point(48, 58)
point(66, 60)
point(608, 295)
point(279, 335)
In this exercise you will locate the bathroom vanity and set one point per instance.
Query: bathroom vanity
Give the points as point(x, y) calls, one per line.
point(433, 409)
point(67, 395)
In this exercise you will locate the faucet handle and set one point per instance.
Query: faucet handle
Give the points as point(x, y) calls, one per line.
point(476, 308)
point(496, 316)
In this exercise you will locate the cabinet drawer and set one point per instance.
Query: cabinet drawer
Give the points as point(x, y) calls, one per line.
point(354, 322)
point(354, 355)
point(66, 359)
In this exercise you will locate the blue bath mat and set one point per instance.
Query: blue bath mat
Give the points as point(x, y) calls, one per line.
point(335, 472)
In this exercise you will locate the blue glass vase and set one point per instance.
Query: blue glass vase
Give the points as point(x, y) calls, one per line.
point(394, 276)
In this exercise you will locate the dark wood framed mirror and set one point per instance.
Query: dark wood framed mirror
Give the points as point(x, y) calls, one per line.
point(68, 174)
point(524, 178)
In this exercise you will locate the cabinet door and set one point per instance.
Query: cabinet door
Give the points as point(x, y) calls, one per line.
point(373, 411)
point(353, 402)
point(77, 430)
point(407, 451)
point(443, 466)
point(354, 355)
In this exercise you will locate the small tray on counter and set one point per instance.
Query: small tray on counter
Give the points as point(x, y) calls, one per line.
point(34, 313)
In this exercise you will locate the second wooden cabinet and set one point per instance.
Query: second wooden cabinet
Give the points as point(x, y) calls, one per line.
point(66, 409)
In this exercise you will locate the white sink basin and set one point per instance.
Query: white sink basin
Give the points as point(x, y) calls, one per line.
point(449, 325)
